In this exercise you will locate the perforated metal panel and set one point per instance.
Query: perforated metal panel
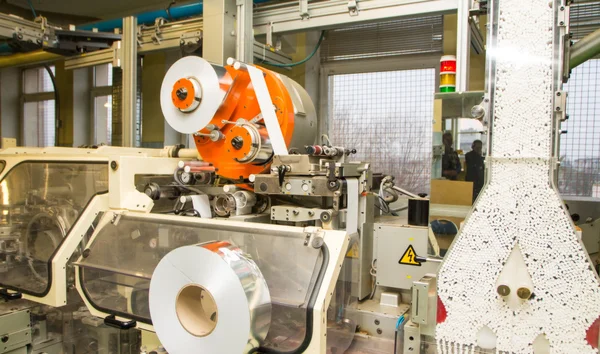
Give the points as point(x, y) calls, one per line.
point(383, 39)
point(580, 147)
point(387, 116)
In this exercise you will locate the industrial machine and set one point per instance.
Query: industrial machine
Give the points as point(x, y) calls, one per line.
point(265, 239)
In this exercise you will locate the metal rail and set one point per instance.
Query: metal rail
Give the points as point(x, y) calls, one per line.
point(287, 17)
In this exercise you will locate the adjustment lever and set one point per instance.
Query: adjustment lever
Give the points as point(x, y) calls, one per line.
point(10, 295)
point(112, 321)
point(281, 173)
point(428, 259)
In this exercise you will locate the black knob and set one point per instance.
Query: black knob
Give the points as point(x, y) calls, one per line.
point(182, 93)
point(4, 339)
point(237, 142)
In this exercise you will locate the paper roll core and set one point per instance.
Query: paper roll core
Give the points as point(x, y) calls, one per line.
point(196, 310)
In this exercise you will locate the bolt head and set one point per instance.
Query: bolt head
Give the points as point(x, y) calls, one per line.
point(503, 290)
point(523, 293)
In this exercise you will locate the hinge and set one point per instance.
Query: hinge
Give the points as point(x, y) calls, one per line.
point(353, 8)
point(560, 105)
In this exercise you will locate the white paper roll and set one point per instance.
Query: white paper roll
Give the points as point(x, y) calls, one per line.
point(209, 298)
point(211, 95)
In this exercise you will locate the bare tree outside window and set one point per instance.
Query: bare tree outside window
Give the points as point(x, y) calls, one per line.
point(387, 117)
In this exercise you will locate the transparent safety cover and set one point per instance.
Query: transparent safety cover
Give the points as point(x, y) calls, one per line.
point(116, 267)
point(39, 203)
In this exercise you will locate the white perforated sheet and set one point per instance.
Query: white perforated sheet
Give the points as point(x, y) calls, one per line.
point(520, 207)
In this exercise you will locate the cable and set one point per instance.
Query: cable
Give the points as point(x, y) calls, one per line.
point(168, 10)
point(373, 272)
point(56, 98)
point(398, 324)
point(32, 9)
point(382, 205)
point(290, 65)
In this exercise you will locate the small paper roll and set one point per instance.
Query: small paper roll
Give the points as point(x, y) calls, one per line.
point(209, 298)
point(210, 92)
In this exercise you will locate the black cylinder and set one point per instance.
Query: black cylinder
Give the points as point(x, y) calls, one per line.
point(418, 212)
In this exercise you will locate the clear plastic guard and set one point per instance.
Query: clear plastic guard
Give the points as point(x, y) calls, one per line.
point(39, 203)
point(117, 266)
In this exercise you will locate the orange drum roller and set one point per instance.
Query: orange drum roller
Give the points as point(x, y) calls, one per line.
point(240, 115)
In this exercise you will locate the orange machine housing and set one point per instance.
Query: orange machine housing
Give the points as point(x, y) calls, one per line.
point(240, 102)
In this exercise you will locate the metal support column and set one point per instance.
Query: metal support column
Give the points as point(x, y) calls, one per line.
point(219, 19)
point(244, 37)
point(463, 46)
point(129, 66)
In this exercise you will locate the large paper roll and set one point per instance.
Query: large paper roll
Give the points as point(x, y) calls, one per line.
point(202, 81)
point(209, 298)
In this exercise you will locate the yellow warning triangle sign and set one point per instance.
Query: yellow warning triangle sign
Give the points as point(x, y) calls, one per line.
point(409, 257)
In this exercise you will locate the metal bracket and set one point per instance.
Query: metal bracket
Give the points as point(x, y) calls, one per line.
point(190, 38)
point(420, 293)
point(560, 105)
point(353, 8)
point(304, 9)
point(412, 338)
point(270, 34)
point(563, 16)
point(423, 291)
point(487, 106)
point(157, 35)
point(566, 72)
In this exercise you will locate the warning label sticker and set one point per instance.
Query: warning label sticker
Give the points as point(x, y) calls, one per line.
point(409, 257)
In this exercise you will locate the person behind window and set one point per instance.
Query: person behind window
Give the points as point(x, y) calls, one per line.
point(475, 167)
point(451, 167)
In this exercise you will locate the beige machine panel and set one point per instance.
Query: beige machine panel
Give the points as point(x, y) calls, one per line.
point(392, 242)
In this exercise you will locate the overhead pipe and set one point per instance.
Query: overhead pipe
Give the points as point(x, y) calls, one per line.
point(175, 12)
point(585, 49)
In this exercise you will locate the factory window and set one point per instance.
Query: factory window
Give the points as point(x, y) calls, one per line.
point(387, 117)
point(103, 75)
point(102, 104)
point(467, 131)
point(39, 115)
point(579, 174)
